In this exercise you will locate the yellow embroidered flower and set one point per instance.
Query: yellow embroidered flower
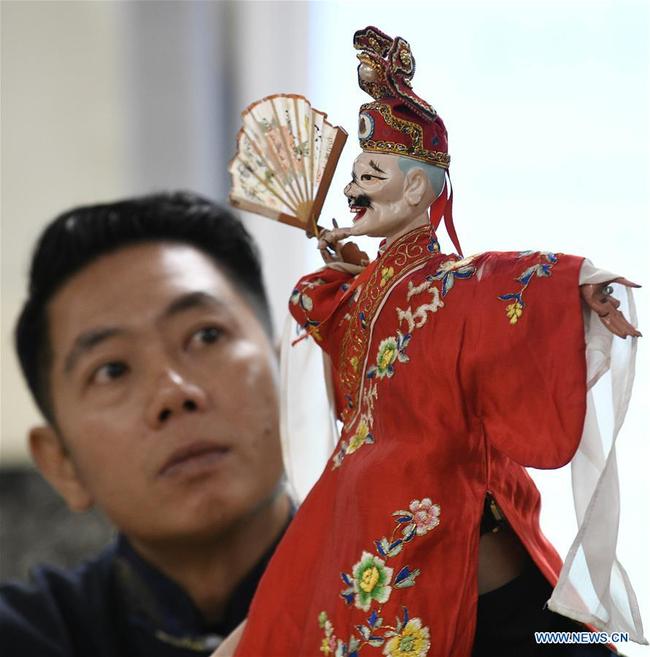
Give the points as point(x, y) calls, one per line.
point(386, 274)
point(371, 581)
point(354, 361)
point(386, 356)
point(514, 312)
point(359, 438)
point(412, 641)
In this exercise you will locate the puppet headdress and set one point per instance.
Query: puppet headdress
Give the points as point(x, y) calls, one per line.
point(398, 121)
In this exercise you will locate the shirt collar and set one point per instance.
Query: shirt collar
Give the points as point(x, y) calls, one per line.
point(157, 604)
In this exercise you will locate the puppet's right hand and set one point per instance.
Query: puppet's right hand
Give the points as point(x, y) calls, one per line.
point(331, 249)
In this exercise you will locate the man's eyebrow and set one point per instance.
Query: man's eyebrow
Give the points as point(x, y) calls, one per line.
point(191, 301)
point(87, 342)
point(375, 166)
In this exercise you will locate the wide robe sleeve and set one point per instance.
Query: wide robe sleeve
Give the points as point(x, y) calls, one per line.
point(315, 298)
point(526, 350)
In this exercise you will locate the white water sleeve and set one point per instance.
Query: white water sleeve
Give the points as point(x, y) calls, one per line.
point(593, 586)
point(307, 424)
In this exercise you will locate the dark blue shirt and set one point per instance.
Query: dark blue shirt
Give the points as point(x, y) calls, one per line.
point(116, 605)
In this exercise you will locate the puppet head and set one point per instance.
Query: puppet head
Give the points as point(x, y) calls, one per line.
point(400, 135)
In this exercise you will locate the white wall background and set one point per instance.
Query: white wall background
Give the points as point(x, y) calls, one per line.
point(102, 100)
point(546, 104)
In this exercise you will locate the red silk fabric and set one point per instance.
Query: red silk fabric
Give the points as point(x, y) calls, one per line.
point(459, 389)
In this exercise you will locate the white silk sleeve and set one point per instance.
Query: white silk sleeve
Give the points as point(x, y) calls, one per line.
point(593, 586)
point(307, 423)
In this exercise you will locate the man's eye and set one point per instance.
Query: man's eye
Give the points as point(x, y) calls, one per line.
point(109, 372)
point(206, 335)
point(366, 176)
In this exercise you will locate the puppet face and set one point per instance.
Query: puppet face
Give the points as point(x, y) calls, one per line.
point(382, 197)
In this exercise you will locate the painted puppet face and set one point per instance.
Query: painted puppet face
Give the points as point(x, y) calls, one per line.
point(377, 194)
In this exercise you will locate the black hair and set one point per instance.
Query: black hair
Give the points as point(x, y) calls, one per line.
point(78, 237)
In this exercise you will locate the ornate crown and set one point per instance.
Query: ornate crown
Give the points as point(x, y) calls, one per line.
point(399, 122)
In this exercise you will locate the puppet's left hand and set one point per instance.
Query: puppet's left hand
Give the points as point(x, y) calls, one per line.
point(599, 298)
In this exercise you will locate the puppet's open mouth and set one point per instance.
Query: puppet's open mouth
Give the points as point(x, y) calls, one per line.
point(358, 205)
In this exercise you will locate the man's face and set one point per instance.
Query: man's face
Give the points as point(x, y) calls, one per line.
point(376, 195)
point(164, 390)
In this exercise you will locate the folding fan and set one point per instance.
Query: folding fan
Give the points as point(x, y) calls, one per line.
point(286, 156)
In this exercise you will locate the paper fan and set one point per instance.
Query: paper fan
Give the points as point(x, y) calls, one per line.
point(285, 160)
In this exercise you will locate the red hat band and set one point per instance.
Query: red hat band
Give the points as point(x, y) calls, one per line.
point(389, 126)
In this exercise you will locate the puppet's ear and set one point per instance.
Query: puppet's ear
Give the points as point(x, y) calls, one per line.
point(56, 465)
point(416, 186)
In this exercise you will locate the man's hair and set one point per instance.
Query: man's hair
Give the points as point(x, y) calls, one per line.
point(75, 239)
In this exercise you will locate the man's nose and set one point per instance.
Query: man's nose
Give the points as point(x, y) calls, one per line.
point(174, 397)
point(348, 189)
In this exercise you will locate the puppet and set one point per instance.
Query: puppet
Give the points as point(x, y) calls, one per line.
point(451, 375)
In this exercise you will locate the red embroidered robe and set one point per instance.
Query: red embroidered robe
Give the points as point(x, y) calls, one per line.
point(450, 376)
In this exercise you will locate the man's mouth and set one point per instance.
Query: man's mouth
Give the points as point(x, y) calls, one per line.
point(192, 458)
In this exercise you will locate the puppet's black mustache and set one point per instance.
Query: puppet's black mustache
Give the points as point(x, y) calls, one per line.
point(361, 201)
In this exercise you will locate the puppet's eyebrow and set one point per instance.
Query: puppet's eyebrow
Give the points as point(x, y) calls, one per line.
point(375, 166)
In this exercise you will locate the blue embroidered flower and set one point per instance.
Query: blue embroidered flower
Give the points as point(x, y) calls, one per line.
point(548, 255)
point(449, 271)
point(371, 584)
point(515, 310)
point(301, 299)
point(433, 246)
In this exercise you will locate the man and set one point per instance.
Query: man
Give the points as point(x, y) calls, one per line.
point(451, 375)
point(146, 343)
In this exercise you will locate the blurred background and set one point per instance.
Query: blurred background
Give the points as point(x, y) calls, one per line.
point(546, 104)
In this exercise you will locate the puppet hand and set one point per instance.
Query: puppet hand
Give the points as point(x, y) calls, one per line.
point(599, 298)
point(332, 251)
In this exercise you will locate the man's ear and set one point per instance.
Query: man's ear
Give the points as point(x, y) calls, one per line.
point(54, 462)
point(416, 186)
